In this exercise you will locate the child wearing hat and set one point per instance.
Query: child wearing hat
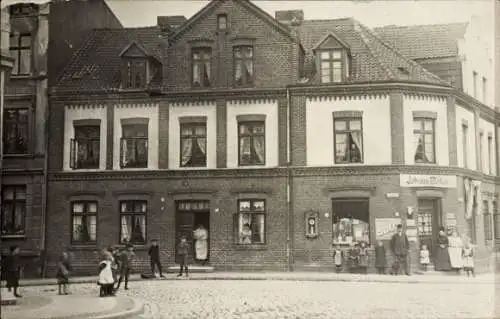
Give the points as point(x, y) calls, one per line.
point(182, 252)
point(126, 258)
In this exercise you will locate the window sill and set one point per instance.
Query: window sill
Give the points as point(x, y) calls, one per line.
point(20, 155)
point(255, 247)
point(27, 77)
point(347, 164)
point(13, 237)
point(426, 164)
point(252, 166)
point(90, 246)
point(83, 170)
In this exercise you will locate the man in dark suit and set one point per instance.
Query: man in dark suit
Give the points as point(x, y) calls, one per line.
point(399, 247)
point(154, 255)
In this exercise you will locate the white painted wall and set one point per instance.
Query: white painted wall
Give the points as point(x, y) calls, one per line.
point(175, 112)
point(133, 111)
point(83, 113)
point(412, 104)
point(270, 109)
point(376, 130)
point(488, 128)
point(464, 114)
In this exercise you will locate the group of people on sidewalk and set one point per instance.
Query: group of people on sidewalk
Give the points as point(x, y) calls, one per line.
point(115, 269)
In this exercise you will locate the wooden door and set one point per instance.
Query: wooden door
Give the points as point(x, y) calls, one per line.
point(184, 226)
point(428, 223)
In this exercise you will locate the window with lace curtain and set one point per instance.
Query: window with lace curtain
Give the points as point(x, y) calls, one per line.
point(134, 146)
point(202, 67)
point(243, 65)
point(250, 222)
point(15, 130)
point(133, 221)
point(193, 145)
point(20, 50)
point(13, 210)
point(348, 135)
point(85, 147)
point(252, 146)
point(424, 140)
point(135, 73)
point(84, 222)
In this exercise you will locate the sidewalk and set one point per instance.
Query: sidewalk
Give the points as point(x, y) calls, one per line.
point(72, 307)
point(437, 278)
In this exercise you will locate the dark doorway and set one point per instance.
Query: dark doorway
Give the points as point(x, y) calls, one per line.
point(428, 222)
point(189, 215)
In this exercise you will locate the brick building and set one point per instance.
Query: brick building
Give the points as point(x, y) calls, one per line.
point(280, 135)
point(42, 39)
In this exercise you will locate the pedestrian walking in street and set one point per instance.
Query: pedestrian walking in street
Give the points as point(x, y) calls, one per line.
point(200, 236)
point(352, 258)
point(154, 256)
point(12, 270)
point(468, 259)
point(363, 258)
point(424, 257)
point(455, 248)
point(126, 258)
point(380, 259)
point(442, 257)
point(182, 252)
point(399, 247)
point(338, 258)
point(106, 280)
point(63, 273)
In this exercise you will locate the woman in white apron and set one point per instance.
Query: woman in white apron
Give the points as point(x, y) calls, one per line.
point(201, 245)
point(455, 246)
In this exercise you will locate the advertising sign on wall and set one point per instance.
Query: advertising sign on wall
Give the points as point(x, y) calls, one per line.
point(386, 227)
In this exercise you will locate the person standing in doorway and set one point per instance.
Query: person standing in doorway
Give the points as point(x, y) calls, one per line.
point(182, 252)
point(201, 245)
point(399, 247)
point(442, 257)
point(154, 256)
point(455, 251)
point(12, 270)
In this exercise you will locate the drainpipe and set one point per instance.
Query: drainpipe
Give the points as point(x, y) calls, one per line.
point(43, 250)
point(289, 188)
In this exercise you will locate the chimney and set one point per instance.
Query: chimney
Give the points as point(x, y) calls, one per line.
point(170, 22)
point(290, 17)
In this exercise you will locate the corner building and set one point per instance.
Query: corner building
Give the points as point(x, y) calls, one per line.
point(282, 136)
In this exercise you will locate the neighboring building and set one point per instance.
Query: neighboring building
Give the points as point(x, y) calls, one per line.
point(280, 135)
point(42, 39)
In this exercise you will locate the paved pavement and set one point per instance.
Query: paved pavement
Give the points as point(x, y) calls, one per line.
point(250, 299)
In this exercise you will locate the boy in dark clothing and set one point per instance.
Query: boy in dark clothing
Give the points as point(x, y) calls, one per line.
point(12, 269)
point(182, 251)
point(126, 258)
point(154, 255)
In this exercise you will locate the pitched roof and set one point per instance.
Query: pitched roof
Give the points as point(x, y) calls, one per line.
point(96, 65)
point(424, 41)
point(372, 59)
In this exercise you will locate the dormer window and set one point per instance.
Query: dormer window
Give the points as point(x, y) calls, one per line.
point(139, 66)
point(331, 66)
point(135, 73)
point(222, 22)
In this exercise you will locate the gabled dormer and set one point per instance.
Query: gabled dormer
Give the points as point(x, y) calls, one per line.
point(333, 59)
point(138, 66)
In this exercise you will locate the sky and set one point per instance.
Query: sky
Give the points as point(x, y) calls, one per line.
point(373, 13)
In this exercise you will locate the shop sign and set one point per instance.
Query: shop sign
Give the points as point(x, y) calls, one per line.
point(386, 227)
point(441, 181)
point(412, 234)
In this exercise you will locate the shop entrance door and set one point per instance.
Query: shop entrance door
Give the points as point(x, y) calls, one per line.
point(428, 218)
point(189, 215)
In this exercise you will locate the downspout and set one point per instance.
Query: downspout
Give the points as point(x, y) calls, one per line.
point(289, 187)
point(43, 250)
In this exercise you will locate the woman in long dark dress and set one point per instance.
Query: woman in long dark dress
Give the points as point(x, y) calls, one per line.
point(442, 256)
point(12, 269)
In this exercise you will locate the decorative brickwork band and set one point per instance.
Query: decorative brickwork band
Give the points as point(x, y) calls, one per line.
point(221, 133)
point(282, 132)
point(299, 131)
point(452, 130)
point(163, 126)
point(110, 126)
point(397, 128)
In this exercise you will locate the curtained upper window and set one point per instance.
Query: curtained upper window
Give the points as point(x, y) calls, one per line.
point(252, 143)
point(348, 140)
point(201, 67)
point(423, 140)
point(133, 221)
point(193, 145)
point(243, 65)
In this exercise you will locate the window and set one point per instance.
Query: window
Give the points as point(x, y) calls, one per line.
point(20, 50)
point(243, 65)
point(201, 61)
point(488, 233)
point(15, 132)
point(221, 22)
point(485, 91)
point(490, 151)
point(350, 221)
point(252, 143)
point(465, 143)
point(133, 221)
point(250, 222)
point(348, 145)
point(13, 210)
point(134, 146)
point(135, 74)
point(474, 84)
point(423, 138)
point(496, 217)
point(84, 226)
point(471, 224)
point(481, 137)
point(331, 66)
point(193, 145)
point(85, 147)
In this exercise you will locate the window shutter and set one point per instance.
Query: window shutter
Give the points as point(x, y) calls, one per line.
point(72, 153)
point(236, 234)
point(122, 152)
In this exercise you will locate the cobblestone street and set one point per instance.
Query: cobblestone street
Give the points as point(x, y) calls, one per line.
point(292, 299)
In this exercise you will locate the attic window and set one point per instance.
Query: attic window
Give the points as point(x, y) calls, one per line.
point(404, 70)
point(332, 66)
point(222, 22)
point(134, 74)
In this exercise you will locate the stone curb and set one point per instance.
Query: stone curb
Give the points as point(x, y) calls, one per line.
point(138, 309)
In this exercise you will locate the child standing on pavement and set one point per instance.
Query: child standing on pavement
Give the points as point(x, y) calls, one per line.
point(154, 256)
point(380, 261)
point(106, 280)
point(126, 258)
point(63, 269)
point(338, 257)
point(182, 252)
point(363, 258)
point(424, 257)
point(468, 259)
